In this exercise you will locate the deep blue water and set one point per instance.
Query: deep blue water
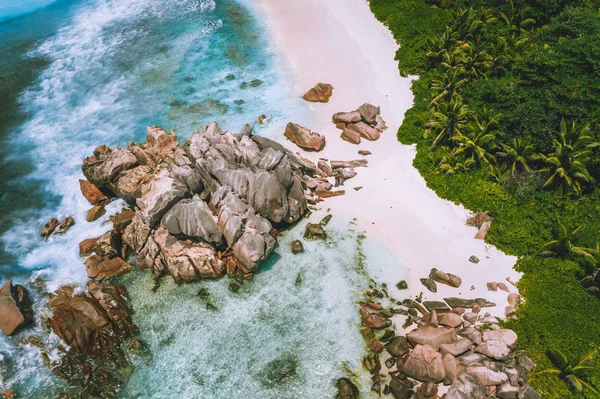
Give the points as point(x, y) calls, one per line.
point(75, 74)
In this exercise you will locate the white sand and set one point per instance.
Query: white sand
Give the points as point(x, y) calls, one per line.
point(340, 42)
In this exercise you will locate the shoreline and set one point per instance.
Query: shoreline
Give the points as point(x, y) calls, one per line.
point(348, 48)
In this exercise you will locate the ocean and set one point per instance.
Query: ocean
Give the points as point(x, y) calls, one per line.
point(75, 74)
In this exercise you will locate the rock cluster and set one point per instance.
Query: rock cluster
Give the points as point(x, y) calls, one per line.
point(321, 93)
point(93, 325)
point(55, 227)
point(15, 307)
point(364, 122)
point(205, 208)
point(453, 344)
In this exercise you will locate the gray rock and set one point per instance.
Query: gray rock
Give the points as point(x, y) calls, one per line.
point(507, 391)
point(466, 387)
point(369, 113)
point(158, 196)
point(192, 218)
point(457, 348)
point(485, 376)
point(429, 284)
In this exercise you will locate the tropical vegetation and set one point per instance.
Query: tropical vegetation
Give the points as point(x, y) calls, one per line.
point(506, 119)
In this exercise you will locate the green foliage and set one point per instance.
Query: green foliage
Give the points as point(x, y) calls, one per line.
point(534, 63)
point(573, 370)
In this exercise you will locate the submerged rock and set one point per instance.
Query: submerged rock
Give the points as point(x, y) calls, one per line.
point(297, 246)
point(346, 389)
point(278, 371)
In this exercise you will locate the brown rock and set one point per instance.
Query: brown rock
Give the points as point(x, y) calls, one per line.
point(122, 219)
point(15, 307)
point(83, 323)
point(364, 152)
point(346, 389)
point(314, 232)
point(364, 130)
point(452, 369)
point(503, 287)
point(49, 228)
point(398, 346)
point(8, 394)
point(65, 225)
point(356, 163)
point(483, 229)
point(445, 278)
point(321, 93)
point(425, 364)
point(95, 212)
point(100, 268)
point(324, 168)
point(297, 246)
point(372, 320)
point(473, 259)
point(86, 247)
point(450, 320)
point(350, 136)
point(492, 286)
point(346, 117)
point(304, 138)
point(91, 192)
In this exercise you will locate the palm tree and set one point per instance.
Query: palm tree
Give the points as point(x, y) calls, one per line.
point(447, 87)
point(446, 160)
point(519, 22)
point(563, 246)
point(480, 139)
point(573, 370)
point(567, 167)
point(440, 45)
point(499, 174)
point(474, 60)
point(518, 155)
point(447, 121)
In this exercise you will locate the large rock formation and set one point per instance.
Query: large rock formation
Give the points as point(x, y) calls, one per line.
point(209, 203)
point(15, 307)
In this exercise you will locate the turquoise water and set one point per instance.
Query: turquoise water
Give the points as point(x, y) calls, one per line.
point(75, 74)
point(14, 9)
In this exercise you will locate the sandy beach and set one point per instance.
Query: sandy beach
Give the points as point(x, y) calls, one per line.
point(340, 42)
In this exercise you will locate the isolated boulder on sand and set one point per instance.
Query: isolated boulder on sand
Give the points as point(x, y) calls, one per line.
point(304, 138)
point(15, 307)
point(321, 93)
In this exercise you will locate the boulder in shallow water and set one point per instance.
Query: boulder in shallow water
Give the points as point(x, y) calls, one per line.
point(346, 389)
point(100, 268)
point(304, 138)
point(49, 228)
point(96, 212)
point(321, 93)
point(314, 232)
point(297, 247)
point(15, 307)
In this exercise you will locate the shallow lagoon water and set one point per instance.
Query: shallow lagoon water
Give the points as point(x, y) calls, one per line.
point(90, 72)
